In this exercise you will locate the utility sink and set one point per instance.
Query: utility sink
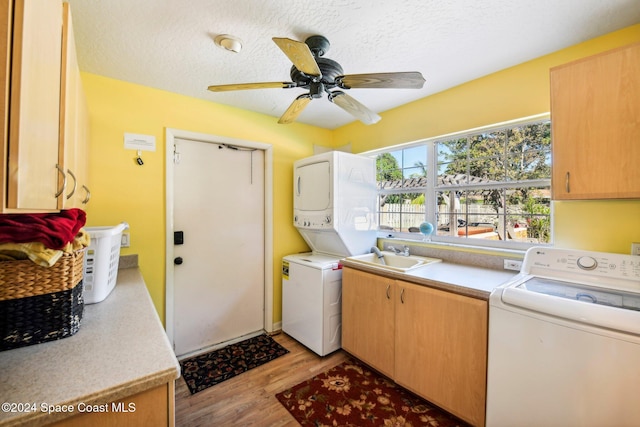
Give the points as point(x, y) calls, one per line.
point(393, 262)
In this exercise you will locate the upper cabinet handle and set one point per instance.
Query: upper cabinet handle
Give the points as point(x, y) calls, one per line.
point(566, 182)
point(75, 183)
point(64, 181)
point(88, 197)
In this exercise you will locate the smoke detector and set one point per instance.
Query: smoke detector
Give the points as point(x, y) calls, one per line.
point(228, 42)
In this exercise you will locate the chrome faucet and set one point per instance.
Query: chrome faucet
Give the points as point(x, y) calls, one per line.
point(375, 250)
point(403, 252)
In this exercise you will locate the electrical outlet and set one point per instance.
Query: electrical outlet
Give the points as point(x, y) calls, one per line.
point(512, 264)
point(125, 240)
point(635, 248)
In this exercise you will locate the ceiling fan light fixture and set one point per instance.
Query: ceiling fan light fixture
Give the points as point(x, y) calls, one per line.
point(228, 42)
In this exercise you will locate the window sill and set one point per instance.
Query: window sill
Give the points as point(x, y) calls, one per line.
point(480, 256)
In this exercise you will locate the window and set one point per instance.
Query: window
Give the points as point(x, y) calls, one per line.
point(489, 186)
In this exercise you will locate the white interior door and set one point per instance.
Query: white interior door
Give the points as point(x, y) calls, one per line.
point(218, 288)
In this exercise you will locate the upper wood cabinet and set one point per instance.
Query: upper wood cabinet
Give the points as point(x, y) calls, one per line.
point(32, 103)
point(43, 111)
point(595, 121)
point(74, 122)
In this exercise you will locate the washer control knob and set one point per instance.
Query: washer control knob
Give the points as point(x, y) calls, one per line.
point(587, 263)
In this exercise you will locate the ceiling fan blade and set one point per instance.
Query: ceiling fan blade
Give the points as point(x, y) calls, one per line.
point(403, 80)
point(353, 107)
point(295, 109)
point(300, 54)
point(244, 86)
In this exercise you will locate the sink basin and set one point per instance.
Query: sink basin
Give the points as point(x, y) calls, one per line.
point(393, 262)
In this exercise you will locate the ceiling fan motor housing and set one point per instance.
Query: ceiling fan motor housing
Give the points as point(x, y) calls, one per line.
point(329, 68)
point(319, 45)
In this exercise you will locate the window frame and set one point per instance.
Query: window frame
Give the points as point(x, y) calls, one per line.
point(431, 188)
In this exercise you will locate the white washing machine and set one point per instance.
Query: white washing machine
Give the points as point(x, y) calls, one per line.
point(312, 301)
point(564, 342)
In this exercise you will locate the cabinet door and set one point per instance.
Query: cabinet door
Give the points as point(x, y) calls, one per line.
point(6, 19)
point(73, 121)
point(441, 349)
point(153, 407)
point(595, 105)
point(368, 318)
point(32, 178)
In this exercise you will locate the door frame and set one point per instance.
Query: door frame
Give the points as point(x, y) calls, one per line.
point(170, 136)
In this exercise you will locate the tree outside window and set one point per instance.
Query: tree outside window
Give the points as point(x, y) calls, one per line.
point(491, 185)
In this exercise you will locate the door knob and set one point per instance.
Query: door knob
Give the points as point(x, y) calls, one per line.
point(178, 260)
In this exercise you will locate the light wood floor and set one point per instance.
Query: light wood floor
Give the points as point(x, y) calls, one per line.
point(249, 399)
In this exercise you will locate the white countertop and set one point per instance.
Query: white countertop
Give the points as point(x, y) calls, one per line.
point(121, 349)
point(475, 282)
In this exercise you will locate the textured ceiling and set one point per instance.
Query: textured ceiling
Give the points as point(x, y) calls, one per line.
point(168, 44)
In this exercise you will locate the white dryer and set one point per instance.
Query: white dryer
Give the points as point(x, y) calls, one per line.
point(334, 202)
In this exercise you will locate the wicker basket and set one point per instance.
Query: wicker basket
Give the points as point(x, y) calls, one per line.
point(40, 304)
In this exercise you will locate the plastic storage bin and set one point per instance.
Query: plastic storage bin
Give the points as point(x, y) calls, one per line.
point(101, 262)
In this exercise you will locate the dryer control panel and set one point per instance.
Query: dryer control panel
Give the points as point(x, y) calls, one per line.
point(313, 221)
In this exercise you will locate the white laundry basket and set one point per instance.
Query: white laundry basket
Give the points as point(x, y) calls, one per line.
point(101, 261)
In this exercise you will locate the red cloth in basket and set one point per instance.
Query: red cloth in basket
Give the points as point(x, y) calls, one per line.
point(54, 230)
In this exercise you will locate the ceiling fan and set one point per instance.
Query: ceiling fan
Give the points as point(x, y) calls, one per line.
point(321, 75)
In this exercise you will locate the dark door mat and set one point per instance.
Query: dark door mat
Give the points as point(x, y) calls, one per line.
point(206, 370)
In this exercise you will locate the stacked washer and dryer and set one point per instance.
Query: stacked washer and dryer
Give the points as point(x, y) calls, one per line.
point(334, 198)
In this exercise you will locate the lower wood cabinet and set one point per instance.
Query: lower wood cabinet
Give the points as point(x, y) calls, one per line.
point(441, 349)
point(154, 407)
point(367, 319)
point(431, 342)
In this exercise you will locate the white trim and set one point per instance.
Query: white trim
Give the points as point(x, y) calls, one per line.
point(495, 126)
point(214, 347)
point(171, 135)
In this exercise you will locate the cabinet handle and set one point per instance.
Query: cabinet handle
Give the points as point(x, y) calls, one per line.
point(566, 182)
point(88, 197)
point(64, 181)
point(75, 183)
point(388, 294)
point(402, 296)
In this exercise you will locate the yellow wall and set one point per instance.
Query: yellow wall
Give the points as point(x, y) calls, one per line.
point(124, 191)
point(512, 93)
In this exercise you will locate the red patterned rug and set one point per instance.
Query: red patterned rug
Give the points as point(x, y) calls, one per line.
point(353, 395)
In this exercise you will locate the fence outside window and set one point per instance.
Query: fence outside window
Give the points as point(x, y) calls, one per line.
point(491, 184)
